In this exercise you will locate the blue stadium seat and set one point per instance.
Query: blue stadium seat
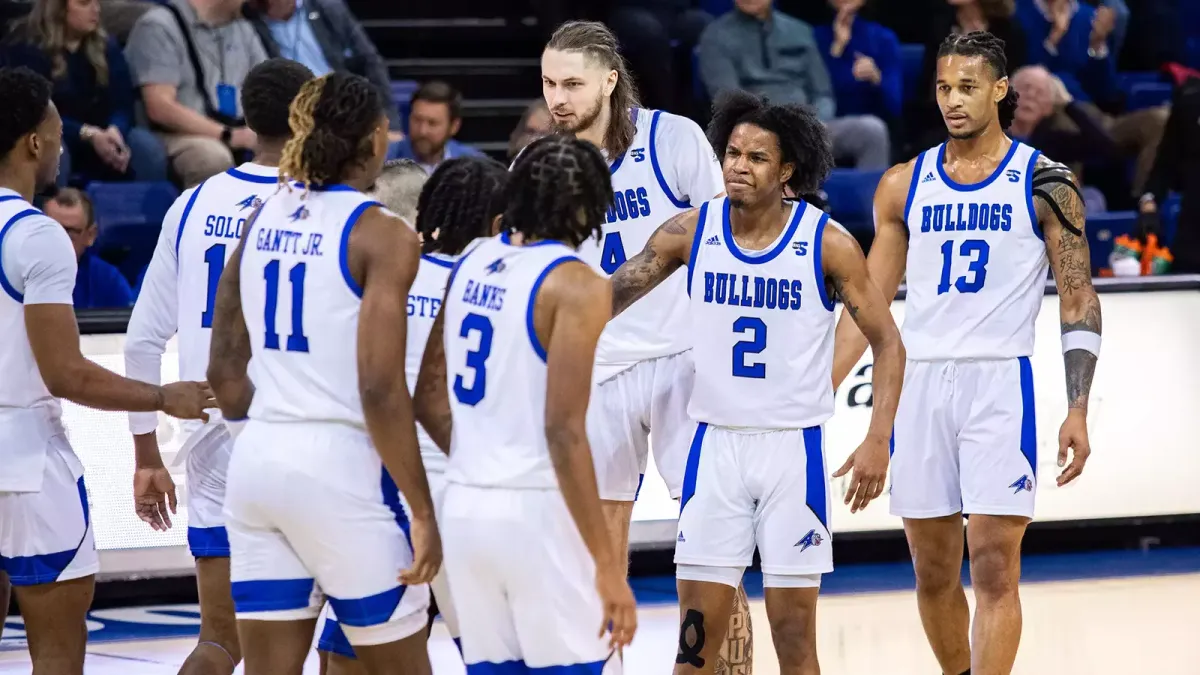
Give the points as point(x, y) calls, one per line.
point(1102, 231)
point(850, 194)
point(911, 58)
point(129, 216)
point(716, 7)
point(1127, 80)
point(1148, 95)
point(402, 93)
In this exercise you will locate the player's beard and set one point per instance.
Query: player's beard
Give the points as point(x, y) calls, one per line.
point(583, 120)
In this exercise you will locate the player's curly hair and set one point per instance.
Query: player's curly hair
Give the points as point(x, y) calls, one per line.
point(332, 121)
point(459, 202)
point(26, 97)
point(559, 190)
point(267, 94)
point(991, 49)
point(803, 140)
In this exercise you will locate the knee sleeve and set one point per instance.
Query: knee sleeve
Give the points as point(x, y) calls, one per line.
point(728, 576)
point(791, 580)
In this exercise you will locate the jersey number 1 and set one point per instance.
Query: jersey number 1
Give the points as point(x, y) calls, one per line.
point(296, 342)
point(975, 249)
point(214, 257)
point(476, 360)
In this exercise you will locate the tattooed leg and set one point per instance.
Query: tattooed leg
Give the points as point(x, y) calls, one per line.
point(737, 650)
point(704, 609)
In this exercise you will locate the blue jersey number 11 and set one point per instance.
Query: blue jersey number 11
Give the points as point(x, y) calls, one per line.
point(296, 342)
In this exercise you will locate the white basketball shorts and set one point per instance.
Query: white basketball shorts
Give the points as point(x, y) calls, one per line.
point(312, 514)
point(643, 407)
point(524, 583)
point(965, 439)
point(333, 638)
point(768, 489)
point(207, 466)
point(46, 536)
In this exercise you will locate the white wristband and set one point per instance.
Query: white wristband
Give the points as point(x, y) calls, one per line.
point(235, 426)
point(1081, 339)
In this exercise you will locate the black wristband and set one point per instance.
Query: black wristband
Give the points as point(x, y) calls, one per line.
point(226, 135)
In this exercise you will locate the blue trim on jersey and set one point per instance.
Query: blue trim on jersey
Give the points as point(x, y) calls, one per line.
point(333, 640)
point(533, 292)
point(369, 611)
point(458, 643)
point(959, 187)
point(187, 209)
point(272, 595)
point(437, 261)
point(333, 187)
point(251, 178)
point(769, 255)
point(696, 244)
point(391, 497)
point(457, 266)
point(612, 168)
point(1028, 419)
point(344, 253)
point(9, 198)
point(814, 468)
point(912, 187)
point(1037, 229)
point(892, 443)
point(693, 465)
point(658, 174)
point(4, 283)
point(34, 570)
point(208, 542)
point(818, 266)
point(519, 668)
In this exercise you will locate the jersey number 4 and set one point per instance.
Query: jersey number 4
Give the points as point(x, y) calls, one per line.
point(977, 250)
point(476, 360)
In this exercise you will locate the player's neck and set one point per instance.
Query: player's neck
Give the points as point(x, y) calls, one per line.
point(988, 143)
point(18, 180)
point(767, 215)
point(268, 153)
point(595, 134)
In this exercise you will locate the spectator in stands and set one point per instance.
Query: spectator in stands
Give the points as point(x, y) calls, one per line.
point(1177, 167)
point(923, 118)
point(189, 57)
point(62, 40)
point(1049, 119)
point(863, 59)
point(435, 118)
point(1070, 38)
point(325, 36)
point(767, 52)
point(98, 284)
point(657, 38)
point(534, 124)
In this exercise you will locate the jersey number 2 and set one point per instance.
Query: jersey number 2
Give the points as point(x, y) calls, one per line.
point(476, 360)
point(756, 342)
point(975, 249)
point(296, 342)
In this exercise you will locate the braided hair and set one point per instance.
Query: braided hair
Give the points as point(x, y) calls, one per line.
point(459, 202)
point(333, 120)
point(991, 49)
point(803, 141)
point(560, 190)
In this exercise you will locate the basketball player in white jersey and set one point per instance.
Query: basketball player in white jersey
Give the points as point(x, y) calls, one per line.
point(199, 233)
point(762, 273)
point(974, 222)
point(46, 544)
point(661, 164)
point(316, 294)
point(455, 208)
point(534, 572)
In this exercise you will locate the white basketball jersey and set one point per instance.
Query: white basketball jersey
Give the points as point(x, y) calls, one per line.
point(209, 232)
point(301, 306)
point(643, 199)
point(496, 366)
point(424, 300)
point(976, 261)
point(762, 324)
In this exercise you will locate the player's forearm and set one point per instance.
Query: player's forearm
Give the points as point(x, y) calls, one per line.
point(143, 366)
point(431, 400)
point(849, 344)
point(1080, 314)
point(572, 459)
point(387, 410)
point(93, 386)
point(232, 388)
point(887, 378)
point(145, 451)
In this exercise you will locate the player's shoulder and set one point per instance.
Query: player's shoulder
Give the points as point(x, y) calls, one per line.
point(669, 127)
point(1045, 166)
point(899, 177)
point(574, 282)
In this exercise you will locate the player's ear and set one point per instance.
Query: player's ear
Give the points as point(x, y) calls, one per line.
point(786, 171)
point(610, 82)
point(34, 143)
point(496, 224)
point(1001, 89)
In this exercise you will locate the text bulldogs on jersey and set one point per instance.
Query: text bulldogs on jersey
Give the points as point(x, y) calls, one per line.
point(743, 290)
point(978, 217)
point(629, 204)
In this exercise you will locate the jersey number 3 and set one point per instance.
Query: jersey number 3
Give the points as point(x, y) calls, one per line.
point(972, 282)
point(476, 360)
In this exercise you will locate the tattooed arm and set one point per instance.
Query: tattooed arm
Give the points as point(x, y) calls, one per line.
point(229, 351)
point(668, 250)
point(885, 264)
point(431, 398)
point(846, 267)
point(1060, 212)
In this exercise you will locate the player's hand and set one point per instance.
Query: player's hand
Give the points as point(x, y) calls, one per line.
point(427, 552)
point(1073, 434)
point(188, 400)
point(869, 464)
point(620, 610)
point(154, 497)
